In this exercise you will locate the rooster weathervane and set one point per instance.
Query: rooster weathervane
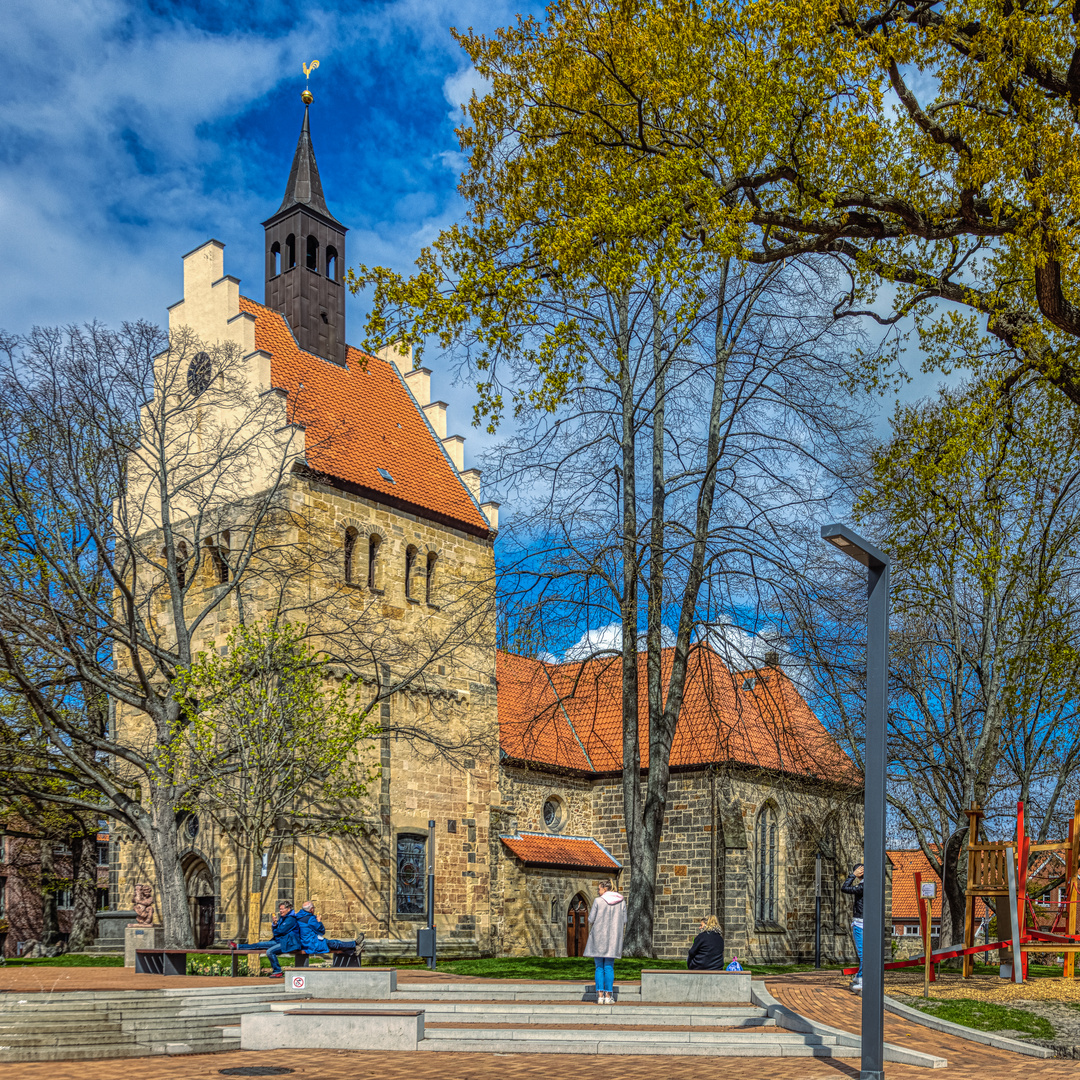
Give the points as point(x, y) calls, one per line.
point(307, 97)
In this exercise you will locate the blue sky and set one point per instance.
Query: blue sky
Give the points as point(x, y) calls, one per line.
point(132, 132)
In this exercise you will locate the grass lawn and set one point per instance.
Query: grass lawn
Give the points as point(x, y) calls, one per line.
point(74, 960)
point(576, 967)
point(986, 1016)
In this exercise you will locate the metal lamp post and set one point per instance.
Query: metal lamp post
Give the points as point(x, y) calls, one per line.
point(877, 668)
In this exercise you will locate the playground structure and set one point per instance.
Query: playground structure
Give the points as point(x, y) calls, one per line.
point(999, 869)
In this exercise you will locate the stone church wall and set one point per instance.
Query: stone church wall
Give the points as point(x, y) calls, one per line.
point(697, 876)
point(352, 879)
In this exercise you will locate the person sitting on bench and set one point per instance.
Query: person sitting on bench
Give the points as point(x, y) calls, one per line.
point(313, 933)
point(286, 938)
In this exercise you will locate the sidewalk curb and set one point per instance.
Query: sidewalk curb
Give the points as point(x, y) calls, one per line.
point(793, 1021)
point(947, 1027)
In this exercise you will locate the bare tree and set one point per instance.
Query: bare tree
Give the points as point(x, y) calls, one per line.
point(668, 493)
point(977, 506)
point(152, 495)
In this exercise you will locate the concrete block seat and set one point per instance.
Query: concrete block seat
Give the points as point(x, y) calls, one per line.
point(346, 983)
point(667, 984)
point(343, 1029)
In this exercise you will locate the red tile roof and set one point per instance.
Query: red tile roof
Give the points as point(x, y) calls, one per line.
point(571, 852)
point(905, 907)
point(361, 418)
point(569, 716)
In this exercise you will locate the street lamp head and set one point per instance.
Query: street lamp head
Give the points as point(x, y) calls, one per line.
point(851, 543)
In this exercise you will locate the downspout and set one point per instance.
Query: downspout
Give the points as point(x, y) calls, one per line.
point(712, 811)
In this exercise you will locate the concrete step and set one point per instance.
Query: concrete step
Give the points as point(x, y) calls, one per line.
point(62, 1053)
point(505, 992)
point(577, 1012)
point(548, 1034)
point(60, 1038)
point(29, 1025)
point(591, 1042)
point(539, 986)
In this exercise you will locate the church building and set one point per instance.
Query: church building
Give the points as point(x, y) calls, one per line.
point(525, 784)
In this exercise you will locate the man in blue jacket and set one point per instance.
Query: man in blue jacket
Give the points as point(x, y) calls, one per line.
point(286, 938)
point(313, 933)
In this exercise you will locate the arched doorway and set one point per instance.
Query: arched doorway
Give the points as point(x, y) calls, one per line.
point(577, 926)
point(200, 891)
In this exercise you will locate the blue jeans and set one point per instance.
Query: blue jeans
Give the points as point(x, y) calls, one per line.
point(856, 932)
point(605, 974)
point(273, 950)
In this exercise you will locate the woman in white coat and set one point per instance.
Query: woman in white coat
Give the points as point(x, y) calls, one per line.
point(607, 920)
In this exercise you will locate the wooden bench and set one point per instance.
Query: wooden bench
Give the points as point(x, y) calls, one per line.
point(174, 961)
point(340, 958)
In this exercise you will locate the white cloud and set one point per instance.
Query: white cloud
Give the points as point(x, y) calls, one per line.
point(608, 639)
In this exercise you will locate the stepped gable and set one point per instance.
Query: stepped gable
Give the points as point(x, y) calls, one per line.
point(569, 717)
point(361, 418)
point(563, 852)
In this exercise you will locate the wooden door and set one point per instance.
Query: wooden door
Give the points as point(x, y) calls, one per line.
point(205, 931)
point(577, 926)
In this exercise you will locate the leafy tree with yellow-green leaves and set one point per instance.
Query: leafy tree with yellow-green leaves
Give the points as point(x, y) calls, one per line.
point(272, 745)
point(929, 147)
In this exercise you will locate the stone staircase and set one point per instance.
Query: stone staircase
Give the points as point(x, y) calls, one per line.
point(107, 1024)
point(544, 1024)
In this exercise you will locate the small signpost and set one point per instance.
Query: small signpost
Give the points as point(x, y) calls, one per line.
point(927, 891)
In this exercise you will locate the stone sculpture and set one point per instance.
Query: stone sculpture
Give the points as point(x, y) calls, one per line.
point(144, 905)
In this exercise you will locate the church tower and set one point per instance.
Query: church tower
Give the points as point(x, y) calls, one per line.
point(305, 257)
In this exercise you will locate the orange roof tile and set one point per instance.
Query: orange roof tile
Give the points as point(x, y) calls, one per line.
point(361, 418)
point(570, 852)
point(906, 864)
point(569, 716)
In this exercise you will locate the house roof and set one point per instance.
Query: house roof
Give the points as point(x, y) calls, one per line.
point(569, 717)
point(905, 906)
point(361, 418)
point(569, 852)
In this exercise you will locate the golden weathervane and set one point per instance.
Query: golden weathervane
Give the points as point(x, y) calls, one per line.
point(307, 95)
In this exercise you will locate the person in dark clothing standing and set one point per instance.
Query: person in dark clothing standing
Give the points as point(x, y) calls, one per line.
point(707, 951)
point(854, 888)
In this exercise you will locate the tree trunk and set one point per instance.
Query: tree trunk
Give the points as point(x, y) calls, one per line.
point(952, 888)
point(639, 899)
point(84, 892)
point(50, 919)
point(171, 901)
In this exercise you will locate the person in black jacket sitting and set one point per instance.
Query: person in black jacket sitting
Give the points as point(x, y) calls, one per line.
point(854, 888)
point(707, 952)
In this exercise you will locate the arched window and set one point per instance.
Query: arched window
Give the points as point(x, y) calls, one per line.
point(768, 859)
point(313, 254)
point(350, 552)
point(411, 869)
point(217, 558)
point(275, 259)
point(372, 560)
point(410, 567)
point(429, 577)
point(290, 251)
point(181, 563)
point(331, 263)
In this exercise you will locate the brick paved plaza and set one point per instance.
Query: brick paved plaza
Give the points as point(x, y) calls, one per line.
point(821, 997)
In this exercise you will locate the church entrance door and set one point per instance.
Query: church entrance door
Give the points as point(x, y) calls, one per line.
point(577, 926)
point(205, 930)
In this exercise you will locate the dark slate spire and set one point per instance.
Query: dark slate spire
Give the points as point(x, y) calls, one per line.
point(305, 187)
